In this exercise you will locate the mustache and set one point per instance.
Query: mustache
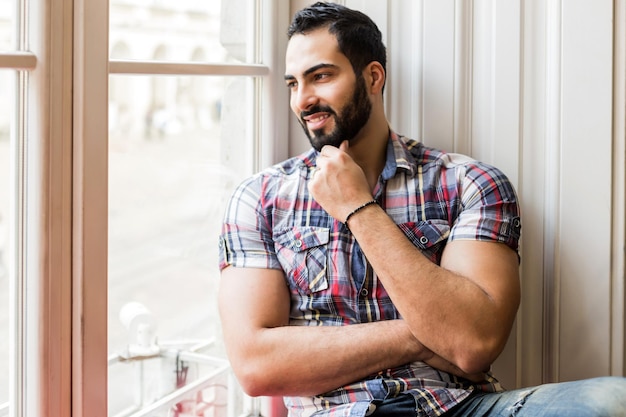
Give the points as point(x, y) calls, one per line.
point(316, 109)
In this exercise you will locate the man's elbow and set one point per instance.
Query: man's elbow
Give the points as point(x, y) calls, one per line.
point(253, 382)
point(473, 365)
point(479, 358)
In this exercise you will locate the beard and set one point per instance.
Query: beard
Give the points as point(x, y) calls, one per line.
point(348, 123)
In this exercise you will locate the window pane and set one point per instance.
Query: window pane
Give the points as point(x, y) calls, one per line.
point(180, 31)
point(178, 146)
point(7, 25)
point(7, 79)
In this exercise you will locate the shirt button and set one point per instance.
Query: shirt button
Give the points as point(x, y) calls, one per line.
point(423, 240)
point(298, 243)
point(364, 292)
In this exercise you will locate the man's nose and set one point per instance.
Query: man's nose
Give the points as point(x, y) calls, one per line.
point(304, 98)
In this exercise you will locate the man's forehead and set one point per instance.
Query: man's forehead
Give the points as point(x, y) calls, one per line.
point(305, 51)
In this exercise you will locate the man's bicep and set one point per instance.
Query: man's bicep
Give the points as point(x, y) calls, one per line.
point(253, 298)
point(492, 266)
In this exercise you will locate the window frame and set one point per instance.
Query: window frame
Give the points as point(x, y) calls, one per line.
point(60, 251)
point(40, 244)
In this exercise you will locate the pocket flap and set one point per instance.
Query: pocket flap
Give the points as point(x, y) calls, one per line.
point(426, 234)
point(302, 238)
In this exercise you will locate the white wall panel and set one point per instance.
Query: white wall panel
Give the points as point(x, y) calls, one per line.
point(530, 86)
point(618, 288)
point(463, 72)
point(438, 36)
point(533, 191)
point(540, 91)
point(496, 87)
point(495, 111)
point(586, 187)
point(404, 67)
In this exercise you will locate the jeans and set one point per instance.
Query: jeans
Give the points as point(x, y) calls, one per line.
point(597, 397)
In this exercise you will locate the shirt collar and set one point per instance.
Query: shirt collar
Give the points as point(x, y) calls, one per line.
point(398, 157)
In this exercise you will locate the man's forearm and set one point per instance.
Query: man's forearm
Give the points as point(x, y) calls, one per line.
point(462, 310)
point(294, 360)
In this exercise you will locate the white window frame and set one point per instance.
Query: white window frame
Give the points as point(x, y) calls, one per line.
point(61, 253)
point(40, 296)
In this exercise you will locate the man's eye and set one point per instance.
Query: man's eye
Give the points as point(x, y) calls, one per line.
point(322, 76)
point(291, 85)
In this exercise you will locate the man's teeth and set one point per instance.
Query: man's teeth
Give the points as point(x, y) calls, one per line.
point(317, 119)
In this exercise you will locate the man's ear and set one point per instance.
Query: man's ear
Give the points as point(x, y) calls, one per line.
point(375, 77)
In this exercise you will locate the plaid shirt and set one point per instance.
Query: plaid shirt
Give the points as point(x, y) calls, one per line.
point(273, 222)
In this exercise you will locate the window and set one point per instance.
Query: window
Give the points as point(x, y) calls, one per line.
point(7, 78)
point(178, 147)
point(137, 207)
point(6, 199)
point(178, 144)
point(12, 61)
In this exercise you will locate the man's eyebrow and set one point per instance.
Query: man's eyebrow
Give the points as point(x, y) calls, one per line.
point(311, 70)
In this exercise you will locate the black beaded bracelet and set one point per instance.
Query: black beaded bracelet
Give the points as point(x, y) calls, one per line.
point(356, 210)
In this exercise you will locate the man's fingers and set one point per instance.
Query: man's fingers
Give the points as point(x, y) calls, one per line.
point(328, 150)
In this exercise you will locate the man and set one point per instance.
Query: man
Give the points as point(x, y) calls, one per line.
point(373, 275)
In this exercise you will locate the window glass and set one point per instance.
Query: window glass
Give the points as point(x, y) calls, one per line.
point(180, 31)
point(7, 25)
point(7, 78)
point(177, 148)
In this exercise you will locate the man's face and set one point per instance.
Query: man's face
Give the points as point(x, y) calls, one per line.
point(331, 103)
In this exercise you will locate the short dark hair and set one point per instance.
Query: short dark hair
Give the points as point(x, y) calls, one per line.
point(358, 37)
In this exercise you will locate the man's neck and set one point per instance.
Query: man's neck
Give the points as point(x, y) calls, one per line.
point(370, 151)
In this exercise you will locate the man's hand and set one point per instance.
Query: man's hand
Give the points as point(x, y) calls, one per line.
point(339, 184)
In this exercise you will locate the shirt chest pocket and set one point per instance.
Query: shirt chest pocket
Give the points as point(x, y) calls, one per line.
point(303, 252)
point(429, 236)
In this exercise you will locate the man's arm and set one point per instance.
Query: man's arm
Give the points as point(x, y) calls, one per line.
point(271, 358)
point(463, 309)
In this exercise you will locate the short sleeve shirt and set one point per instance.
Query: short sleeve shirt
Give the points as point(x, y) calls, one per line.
point(434, 197)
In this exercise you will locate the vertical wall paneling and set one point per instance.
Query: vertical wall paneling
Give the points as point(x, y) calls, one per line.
point(551, 209)
point(483, 80)
point(533, 192)
point(618, 290)
point(438, 25)
point(496, 84)
point(494, 113)
point(535, 96)
point(463, 72)
point(586, 186)
point(404, 67)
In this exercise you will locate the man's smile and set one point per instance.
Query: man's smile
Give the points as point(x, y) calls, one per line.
point(316, 121)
